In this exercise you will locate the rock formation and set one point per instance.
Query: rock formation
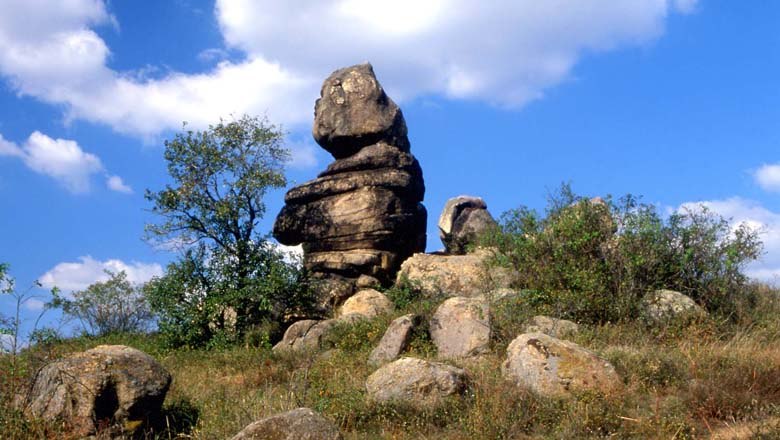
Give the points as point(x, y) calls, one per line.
point(462, 221)
point(556, 367)
point(368, 302)
point(461, 327)
point(665, 306)
point(557, 328)
point(395, 339)
point(362, 216)
point(454, 275)
point(110, 388)
point(416, 382)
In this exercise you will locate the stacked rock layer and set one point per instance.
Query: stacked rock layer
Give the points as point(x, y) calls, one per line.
point(362, 216)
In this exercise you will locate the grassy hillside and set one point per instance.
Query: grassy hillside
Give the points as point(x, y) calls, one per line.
point(708, 379)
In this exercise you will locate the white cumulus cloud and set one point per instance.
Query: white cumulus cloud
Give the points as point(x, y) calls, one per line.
point(77, 275)
point(61, 159)
point(757, 217)
point(506, 52)
point(768, 177)
point(115, 183)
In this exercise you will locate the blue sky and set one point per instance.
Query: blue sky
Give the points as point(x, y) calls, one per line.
point(672, 100)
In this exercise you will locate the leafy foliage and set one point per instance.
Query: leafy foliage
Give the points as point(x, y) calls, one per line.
point(111, 306)
point(199, 301)
point(593, 260)
point(228, 278)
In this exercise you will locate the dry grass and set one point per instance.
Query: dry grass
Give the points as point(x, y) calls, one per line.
point(706, 380)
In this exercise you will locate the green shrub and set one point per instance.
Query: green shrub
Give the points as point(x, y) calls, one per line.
point(198, 302)
point(593, 260)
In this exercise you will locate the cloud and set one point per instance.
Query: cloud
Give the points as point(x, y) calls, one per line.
point(212, 54)
point(115, 183)
point(505, 52)
point(71, 276)
point(60, 159)
point(304, 153)
point(686, 6)
point(34, 305)
point(759, 218)
point(768, 177)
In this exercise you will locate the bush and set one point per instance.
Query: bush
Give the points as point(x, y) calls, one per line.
point(593, 260)
point(199, 303)
point(111, 306)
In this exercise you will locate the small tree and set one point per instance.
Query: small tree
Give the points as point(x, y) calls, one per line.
point(230, 277)
point(10, 326)
point(111, 306)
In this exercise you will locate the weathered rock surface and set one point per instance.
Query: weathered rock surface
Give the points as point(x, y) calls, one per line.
point(460, 327)
point(298, 424)
point(454, 275)
point(363, 215)
point(557, 328)
point(311, 334)
point(663, 306)
point(461, 222)
point(395, 339)
point(415, 382)
point(555, 367)
point(368, 302)
point(353, 111)
point(111, 387)
point(305, 335)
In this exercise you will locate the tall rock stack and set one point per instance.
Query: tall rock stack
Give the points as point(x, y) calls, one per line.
point(362, 216)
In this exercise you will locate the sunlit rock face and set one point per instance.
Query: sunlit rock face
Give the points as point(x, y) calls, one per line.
point(362, 216)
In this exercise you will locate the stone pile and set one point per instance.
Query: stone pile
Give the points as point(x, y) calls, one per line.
point(362, 216)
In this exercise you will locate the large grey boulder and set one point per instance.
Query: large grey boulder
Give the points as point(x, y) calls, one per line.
point(110, 388)
point(556, 367)
point(353, 111)
point(454, 275)
point(460, 327)
point(663, 306)
point(415, 382)
point(362, 216)
point(305, 335)
point(462, 221)
point(311, 334)
point(298, 424)
point(367, 302)
point(395, 339)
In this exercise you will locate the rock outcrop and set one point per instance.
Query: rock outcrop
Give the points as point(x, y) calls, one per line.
point(460, 327)
point(663, 306)
point(298, 424)
point(557, 328)
point(395, 339)
point(305, 335)
point(454, 275)
point(461, 222)
point(363, 215)
point(415, 382)
point(113, 389)
point(556, 367)
point(367, 302)
point(311, 334)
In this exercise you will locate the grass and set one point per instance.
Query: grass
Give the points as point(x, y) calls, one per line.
point(708, 379)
